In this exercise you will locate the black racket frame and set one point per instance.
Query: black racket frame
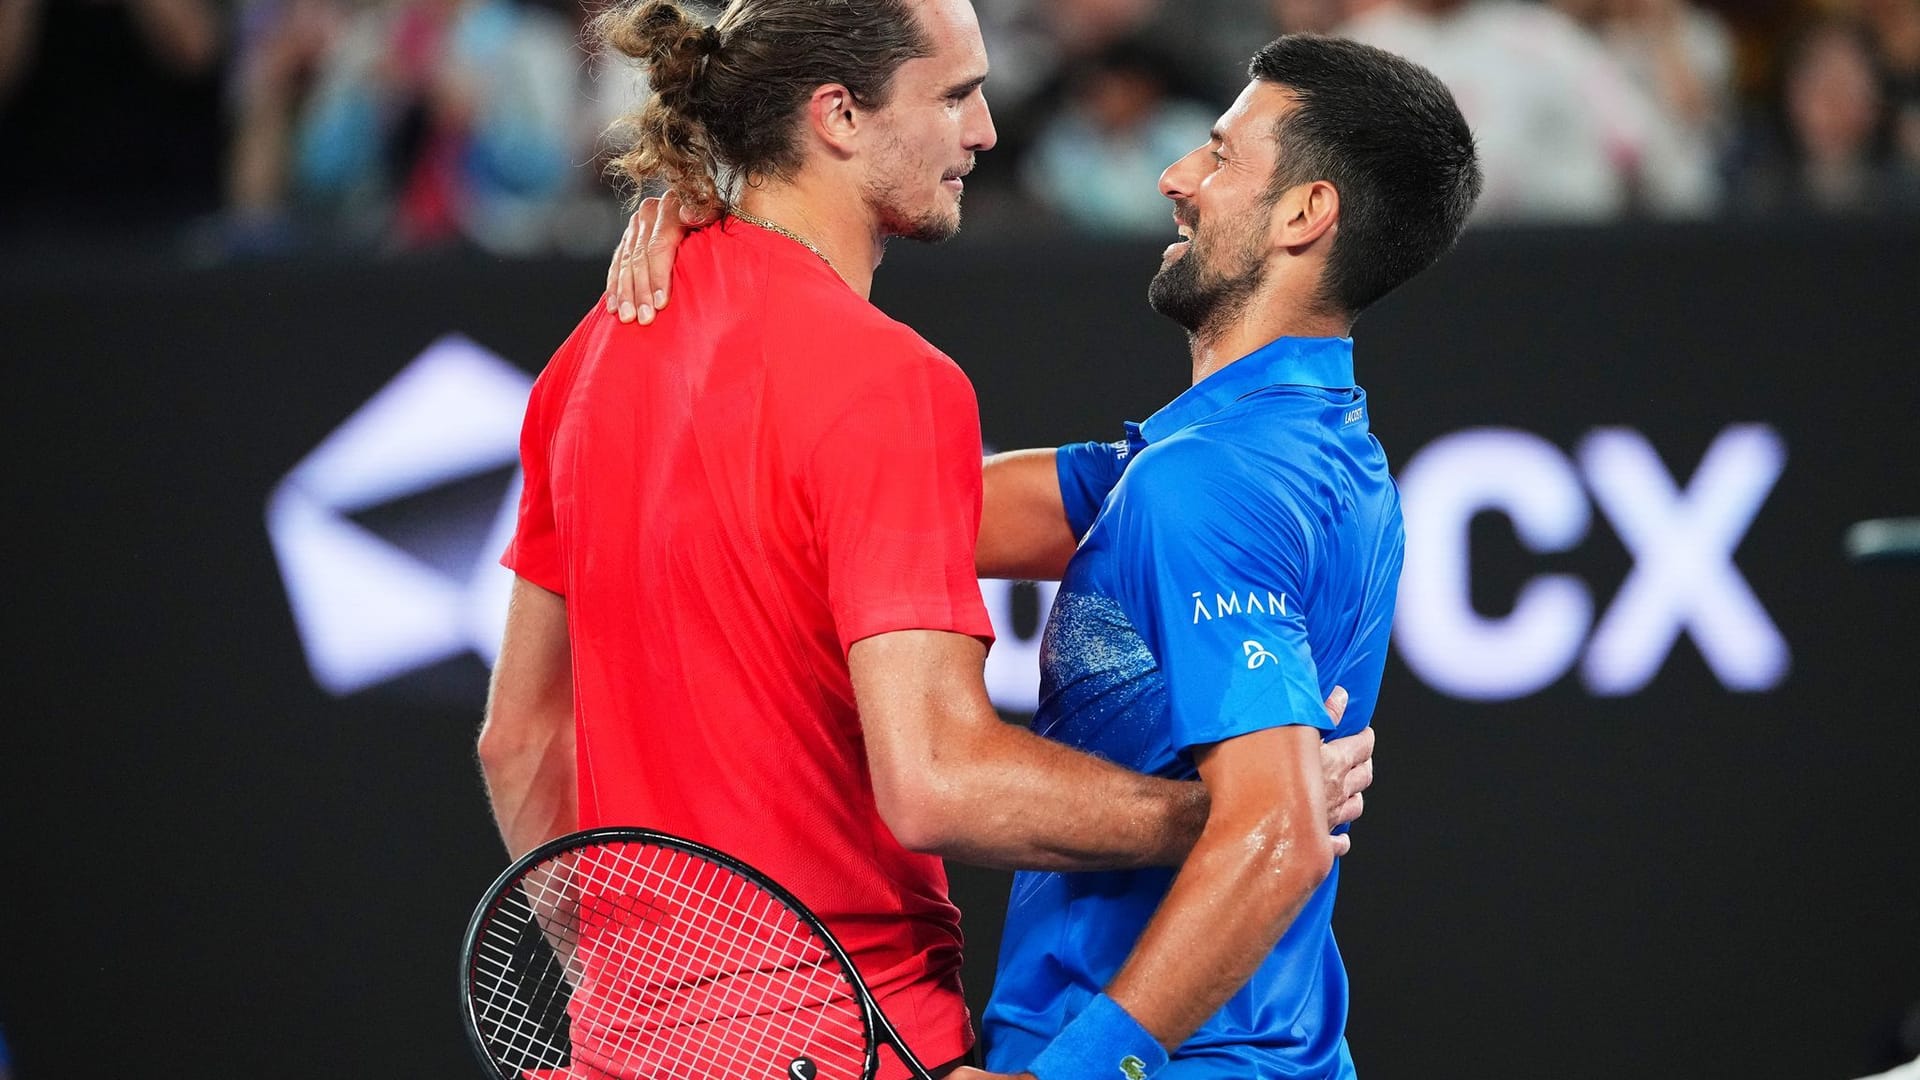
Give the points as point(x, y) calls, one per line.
point(877, 1027)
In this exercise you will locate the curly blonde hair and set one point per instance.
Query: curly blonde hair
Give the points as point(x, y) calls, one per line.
point(724, 96)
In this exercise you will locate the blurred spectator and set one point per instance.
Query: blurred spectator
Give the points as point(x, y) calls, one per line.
point(1033, 42)
point(1682, 55)
point(1564, 133)
point(1896, 30)
point(1042, 50)
point(279, 48)
point(6, 1059)
point(109, 113)
point(1037, 44)
point(409, 124)
point(1830, 147)
point(608, 88)
point(1212, 40)
point(1306, 16)
point(1097, 163)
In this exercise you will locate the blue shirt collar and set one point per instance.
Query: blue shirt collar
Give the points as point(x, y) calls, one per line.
point(1288, 361)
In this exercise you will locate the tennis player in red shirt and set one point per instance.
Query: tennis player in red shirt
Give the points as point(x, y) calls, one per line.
point(746, 609)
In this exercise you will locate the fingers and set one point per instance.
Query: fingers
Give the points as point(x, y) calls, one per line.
point(1358, 779)
point(1349, 772)
point(1344, 753)
point(636, 294)
point(1337, 704)
point(692, 218)
point(619, 257)
point(1349, 811)
point(630, 243)
point(623, 296)
point(639, 279)
point(669, 228)
point(1357, 757)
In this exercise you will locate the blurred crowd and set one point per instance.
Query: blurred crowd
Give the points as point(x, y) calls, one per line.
point(252, 128)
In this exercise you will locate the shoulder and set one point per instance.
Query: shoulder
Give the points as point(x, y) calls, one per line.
point(1251, 443)
point(827, 342)
point(822, 317)
point(589, 335)
point(1195, 481)
point(1257, 466)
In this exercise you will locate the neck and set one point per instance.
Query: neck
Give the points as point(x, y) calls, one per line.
point(842, 229)
point(1273, 311)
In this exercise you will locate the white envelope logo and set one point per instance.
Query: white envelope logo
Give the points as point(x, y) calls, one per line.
point(368, 611)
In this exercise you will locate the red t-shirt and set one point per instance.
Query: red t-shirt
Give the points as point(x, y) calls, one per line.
point(729, 499)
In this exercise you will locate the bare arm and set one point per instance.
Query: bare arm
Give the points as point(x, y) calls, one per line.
point(952, 778)
point(526, 746)
point(1023, 522)
point(1263, 853)
point(1259, 859)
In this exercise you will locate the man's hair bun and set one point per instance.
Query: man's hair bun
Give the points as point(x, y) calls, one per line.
point(670, 43)
point(726, 96)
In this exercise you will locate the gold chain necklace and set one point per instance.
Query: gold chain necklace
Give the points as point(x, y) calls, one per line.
point(776, 227)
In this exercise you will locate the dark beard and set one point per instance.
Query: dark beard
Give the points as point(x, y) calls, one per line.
point(1200, 300)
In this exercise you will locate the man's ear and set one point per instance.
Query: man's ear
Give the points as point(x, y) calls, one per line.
point(835, 118)
point(1304, 214)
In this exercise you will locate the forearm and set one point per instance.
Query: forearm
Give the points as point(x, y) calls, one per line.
point(1263, 853)
point(951, 778)
point(1231, 902)
point(1015, 800)
point(1024, 531)
point(530, 777)
point(526, 746)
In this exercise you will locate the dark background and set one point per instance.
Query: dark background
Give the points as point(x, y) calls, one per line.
point(214, 868)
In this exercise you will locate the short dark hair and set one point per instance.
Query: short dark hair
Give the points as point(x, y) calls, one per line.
point(725, 95)
point(1388, 136)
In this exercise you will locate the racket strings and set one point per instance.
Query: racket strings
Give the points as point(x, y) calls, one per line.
point(691, 961)
point(635, 960)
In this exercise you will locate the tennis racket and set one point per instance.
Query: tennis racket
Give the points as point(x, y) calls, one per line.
point(626, 954)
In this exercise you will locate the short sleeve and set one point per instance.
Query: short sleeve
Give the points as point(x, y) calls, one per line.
point(895, 488)
point(1088, 472)
point(534, 552)
point(1213, 573)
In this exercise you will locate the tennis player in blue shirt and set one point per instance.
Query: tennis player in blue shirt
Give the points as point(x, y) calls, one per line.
point(1231, 560)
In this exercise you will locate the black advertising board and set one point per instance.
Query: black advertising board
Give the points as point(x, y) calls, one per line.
point(1649, 754)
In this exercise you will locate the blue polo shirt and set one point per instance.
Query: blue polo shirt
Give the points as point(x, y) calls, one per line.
point(1241, 552)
